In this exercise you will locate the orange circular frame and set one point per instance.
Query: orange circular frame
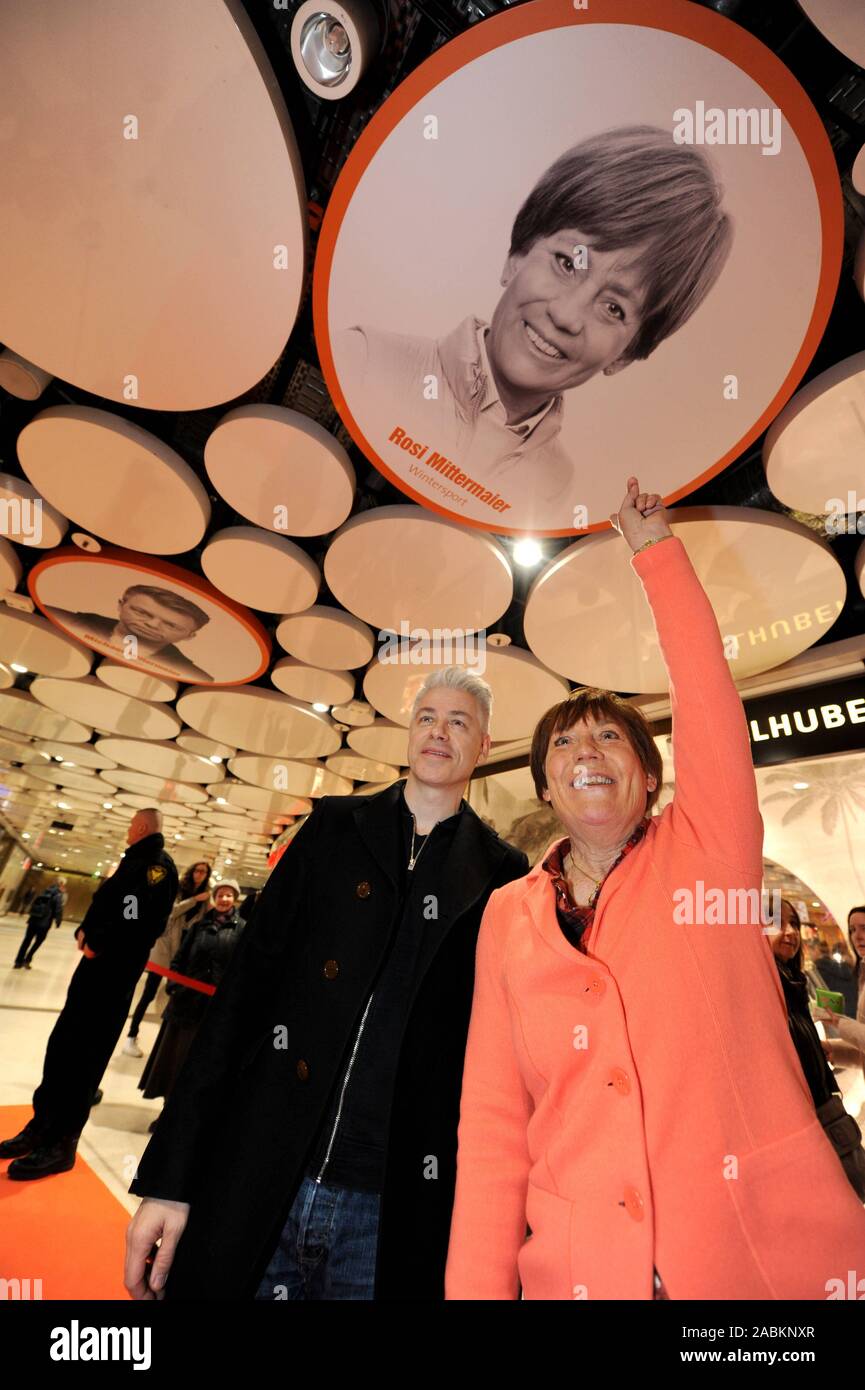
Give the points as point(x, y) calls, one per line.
point(676, 17)
point(159, 569)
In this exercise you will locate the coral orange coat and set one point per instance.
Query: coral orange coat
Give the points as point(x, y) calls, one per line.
point(642, 1105)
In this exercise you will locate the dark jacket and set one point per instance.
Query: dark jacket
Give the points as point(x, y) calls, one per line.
point(806, 1039)
point(204, 953)
point(238, 1129)
point(46, 908)
point(129, 910)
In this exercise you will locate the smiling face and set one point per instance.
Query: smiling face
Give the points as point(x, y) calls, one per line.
point(445, 740)
point(151, 621)
point(785, 943)
point(224, 899)
point(857, 933)
point(557, 325)
point(610, 792)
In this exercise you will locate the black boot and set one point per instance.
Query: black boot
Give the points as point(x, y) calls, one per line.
point(23, 1143)
point(42, 1163)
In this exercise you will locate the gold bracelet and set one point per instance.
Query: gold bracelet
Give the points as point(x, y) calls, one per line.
point(653, 541)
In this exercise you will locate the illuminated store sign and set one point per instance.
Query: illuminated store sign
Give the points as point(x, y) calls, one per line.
point(807, 723)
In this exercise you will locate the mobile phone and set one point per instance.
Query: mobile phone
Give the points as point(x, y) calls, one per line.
point(830, 999)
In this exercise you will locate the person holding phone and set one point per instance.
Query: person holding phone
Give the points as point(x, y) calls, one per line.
point(841, 1128)
point(849, 1048)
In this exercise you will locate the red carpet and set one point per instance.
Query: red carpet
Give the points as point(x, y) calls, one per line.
point(68, 1230)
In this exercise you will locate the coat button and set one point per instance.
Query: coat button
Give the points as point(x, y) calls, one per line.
point(621, 1081)
point(634, 1204)
point(331, 969)
point(302, 1070)
point(363, 889)
point(597, 986)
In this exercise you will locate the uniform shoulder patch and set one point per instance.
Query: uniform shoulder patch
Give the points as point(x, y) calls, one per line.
point(156, 873)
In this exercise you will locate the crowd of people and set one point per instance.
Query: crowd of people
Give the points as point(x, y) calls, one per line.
point(423, 1070)
point(195, 942)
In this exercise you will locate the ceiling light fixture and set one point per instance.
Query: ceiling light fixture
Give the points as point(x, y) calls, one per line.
point(332, 45)
point(16, 666)
point(528, 553)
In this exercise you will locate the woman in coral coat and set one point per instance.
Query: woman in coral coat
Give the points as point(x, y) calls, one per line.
point(631, 1091)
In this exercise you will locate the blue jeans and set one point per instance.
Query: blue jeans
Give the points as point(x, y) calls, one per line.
point(327, 1248)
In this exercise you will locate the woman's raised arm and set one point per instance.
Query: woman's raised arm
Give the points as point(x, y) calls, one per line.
point(715, 805)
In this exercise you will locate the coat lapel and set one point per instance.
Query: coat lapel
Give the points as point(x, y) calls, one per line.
point(472, 862)
point(378, 825)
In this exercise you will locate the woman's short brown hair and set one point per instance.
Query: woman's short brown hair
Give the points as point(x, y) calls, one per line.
point(602, 706)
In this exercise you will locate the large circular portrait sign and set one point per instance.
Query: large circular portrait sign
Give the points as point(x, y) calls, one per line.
point(154, 616)
point(579, 241)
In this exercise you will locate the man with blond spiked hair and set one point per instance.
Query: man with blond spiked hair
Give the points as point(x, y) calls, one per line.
point(308, 1150)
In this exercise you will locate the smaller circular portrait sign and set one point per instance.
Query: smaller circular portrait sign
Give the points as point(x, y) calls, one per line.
point(156, 617)
point(580, 240)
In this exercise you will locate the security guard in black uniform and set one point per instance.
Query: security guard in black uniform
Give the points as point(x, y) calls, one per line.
point(128, 912)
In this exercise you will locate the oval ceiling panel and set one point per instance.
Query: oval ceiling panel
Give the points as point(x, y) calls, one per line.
point(159, 209)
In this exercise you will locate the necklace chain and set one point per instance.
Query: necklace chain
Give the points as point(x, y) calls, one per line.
point(413, 858)
point(596, 881)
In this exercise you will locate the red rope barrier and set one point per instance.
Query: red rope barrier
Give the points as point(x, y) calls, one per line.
point(180, 979)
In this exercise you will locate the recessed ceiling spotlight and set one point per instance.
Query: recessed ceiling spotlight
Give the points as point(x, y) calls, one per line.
point(322, 709)
point(16, 666)
point(332, 45)
point(527, 553)
point(107, 805)
point(85, 542)
point(215, 758)
point(801, 786)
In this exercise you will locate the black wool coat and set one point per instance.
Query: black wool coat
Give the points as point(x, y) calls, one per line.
point(238, 1129)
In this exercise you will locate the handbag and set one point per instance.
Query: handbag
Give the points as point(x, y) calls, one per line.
point(845, 1136)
